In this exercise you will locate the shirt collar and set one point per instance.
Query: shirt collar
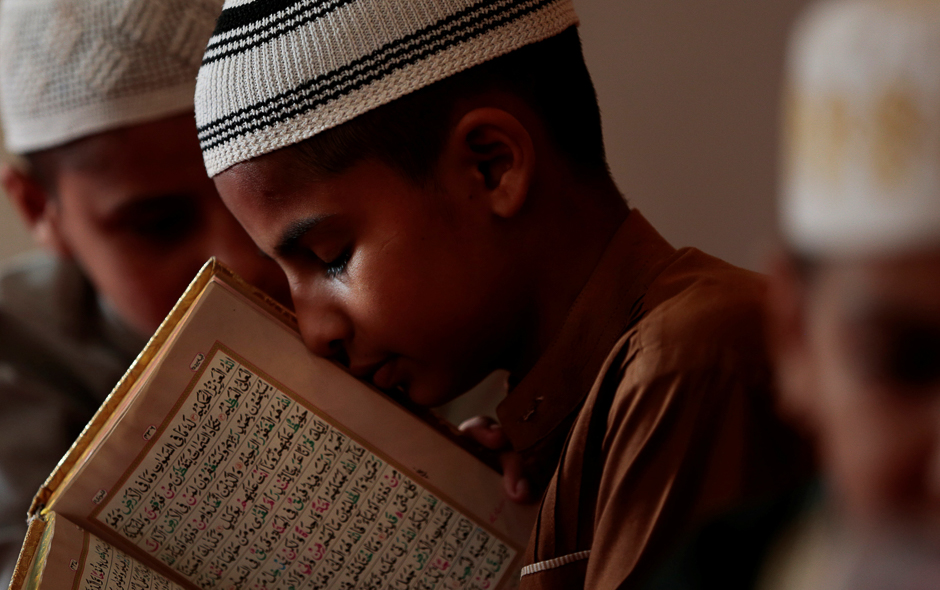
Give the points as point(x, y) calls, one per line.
point(553, 390)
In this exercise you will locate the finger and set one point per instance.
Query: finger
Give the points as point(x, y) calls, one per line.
point(517, 487)
point(477, 422)
point(486, 431)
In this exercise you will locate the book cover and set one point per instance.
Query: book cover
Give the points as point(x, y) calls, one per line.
point(230, 457)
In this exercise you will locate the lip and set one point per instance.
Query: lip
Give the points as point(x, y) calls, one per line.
point(365, 372)
point(386, 376)
point(383, 374)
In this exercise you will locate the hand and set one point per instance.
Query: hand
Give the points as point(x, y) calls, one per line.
point(488, 432)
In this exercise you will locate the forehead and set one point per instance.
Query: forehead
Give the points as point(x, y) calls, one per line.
point(156, 145)
point(273, 193)
point(266, 188)
point(270, 179)
point(154, 158)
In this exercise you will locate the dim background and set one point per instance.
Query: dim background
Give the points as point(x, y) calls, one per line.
point(689, 93)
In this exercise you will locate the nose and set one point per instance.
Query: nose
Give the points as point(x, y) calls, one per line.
point(234, 247)
point(324, 326)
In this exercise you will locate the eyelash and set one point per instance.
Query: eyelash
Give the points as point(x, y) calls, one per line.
point(337, 266)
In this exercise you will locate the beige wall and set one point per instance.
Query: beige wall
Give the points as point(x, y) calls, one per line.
point(689, 93)
point(13, 236)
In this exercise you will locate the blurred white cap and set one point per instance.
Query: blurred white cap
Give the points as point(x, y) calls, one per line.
point(71, 68)
point(861, 170)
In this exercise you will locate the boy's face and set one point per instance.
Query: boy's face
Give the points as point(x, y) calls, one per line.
point(406, 285)
point(869, 348)
point(136, 209)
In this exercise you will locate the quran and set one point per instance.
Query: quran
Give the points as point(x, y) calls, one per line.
point(229, 457)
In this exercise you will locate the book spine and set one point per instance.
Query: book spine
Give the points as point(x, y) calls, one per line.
point(31, 552)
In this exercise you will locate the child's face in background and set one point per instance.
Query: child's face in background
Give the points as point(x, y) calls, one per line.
point(140, 215)
point(406, 285)
point(869, 358)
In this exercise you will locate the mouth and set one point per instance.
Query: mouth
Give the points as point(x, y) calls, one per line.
point(385, 376)
point(390, 379)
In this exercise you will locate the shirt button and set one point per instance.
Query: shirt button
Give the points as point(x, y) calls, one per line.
point(532, 410)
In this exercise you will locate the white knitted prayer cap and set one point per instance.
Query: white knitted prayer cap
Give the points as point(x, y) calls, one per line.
point(72, 68)
point(861, 172)
point(277, 72)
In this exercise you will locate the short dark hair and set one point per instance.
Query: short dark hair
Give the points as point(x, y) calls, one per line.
point(409, 133)
point(43, 166)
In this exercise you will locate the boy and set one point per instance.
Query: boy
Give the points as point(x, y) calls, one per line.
point(854, 314)
point(855, 311)
point(97, 100)
point(431, 177)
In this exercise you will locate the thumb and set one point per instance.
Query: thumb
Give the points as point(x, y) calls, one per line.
point(488, 433)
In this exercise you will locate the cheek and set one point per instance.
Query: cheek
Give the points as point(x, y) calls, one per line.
point(389, 302)
point(143, 289)
point(142, 285)
point(428, 304)
point(876, 444)
point(860, 448)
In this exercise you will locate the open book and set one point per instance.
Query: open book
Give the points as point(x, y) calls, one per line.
point(230, 457)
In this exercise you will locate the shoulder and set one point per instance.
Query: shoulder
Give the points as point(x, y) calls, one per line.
point(701, 313)
point(36, 305)
point(55, 337)
point(693, 377)
point(695, 359)
point(41, 287)
point(51, 296)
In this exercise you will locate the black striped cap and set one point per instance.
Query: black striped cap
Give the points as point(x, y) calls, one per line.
point(277, 72)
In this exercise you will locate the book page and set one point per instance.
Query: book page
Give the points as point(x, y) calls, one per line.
point(236, 480)
point(73, 559)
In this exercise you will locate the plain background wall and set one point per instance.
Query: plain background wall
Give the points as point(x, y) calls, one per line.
point(13, 235)
point(689, 91)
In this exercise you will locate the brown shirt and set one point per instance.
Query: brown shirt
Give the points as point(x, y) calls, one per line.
point(651, 410)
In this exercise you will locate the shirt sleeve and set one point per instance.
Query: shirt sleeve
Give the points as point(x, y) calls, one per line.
point(681, 444)
point(37, 425)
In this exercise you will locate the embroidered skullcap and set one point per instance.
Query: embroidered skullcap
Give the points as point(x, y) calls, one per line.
point(277, 72)
point(862, 157)
point(71, 68)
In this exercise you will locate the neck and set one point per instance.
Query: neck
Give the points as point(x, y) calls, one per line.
point(572, 229)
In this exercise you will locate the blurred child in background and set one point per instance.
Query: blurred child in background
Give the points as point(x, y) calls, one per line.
point(854, 314)
point(97, 102)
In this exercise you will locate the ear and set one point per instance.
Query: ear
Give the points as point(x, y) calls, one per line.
point(37, 208)
point(492, 157)
point(788, 342)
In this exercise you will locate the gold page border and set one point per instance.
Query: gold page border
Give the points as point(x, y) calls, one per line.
point(155, 438)
point(86, 542)
point(32, 550)
point(210, 270)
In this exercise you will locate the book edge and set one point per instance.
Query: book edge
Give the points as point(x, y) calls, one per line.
point(273, 307)
point(213, 270)
point(29, 551)
point(210, 269)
